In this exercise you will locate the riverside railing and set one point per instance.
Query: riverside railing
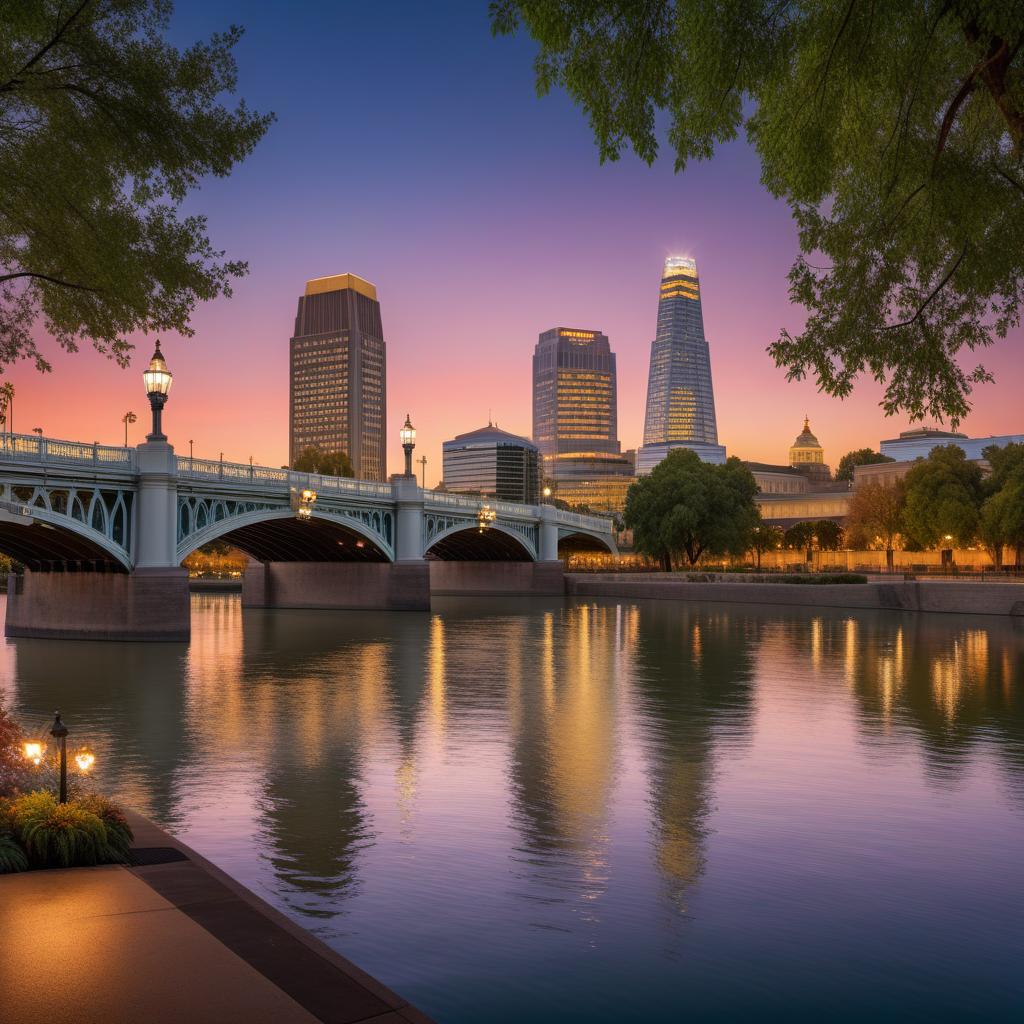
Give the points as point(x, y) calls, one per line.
point(31, 448)
point(243, 472)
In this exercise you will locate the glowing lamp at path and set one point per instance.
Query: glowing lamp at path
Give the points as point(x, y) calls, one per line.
point(157, 379)
point(408, 438)
point(84, 760)
point(33, 751)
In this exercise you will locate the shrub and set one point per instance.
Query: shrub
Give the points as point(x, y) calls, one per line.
point(14, 771)
point(119, 832)
point(64, 836)
point(12, 856)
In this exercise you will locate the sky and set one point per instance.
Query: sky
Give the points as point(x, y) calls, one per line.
point(410, 148)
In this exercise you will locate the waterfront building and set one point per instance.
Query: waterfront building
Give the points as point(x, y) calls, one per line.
point(917, 443)
point(575, 424)
point(492, 462)
point(337, 393)
point(680, 399)
point(807, 455)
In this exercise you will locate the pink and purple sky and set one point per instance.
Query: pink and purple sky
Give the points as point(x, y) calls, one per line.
point(411, 149)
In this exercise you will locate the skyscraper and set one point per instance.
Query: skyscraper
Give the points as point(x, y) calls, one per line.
point(493, 462)
point(338, 374)
point(575, 422)
point(680, 398)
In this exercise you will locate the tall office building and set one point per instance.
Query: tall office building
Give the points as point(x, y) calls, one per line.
point(575, 417)
point(680, 399)
point(338, 374)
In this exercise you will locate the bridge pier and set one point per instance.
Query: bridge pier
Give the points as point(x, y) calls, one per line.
point(147, 604)
point(497, 579)
point(390, 586)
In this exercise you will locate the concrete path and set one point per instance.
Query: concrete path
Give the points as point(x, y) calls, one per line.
point(172, 941)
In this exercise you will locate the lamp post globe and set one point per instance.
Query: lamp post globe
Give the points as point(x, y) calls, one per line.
point(157, 379)
point(408, 436)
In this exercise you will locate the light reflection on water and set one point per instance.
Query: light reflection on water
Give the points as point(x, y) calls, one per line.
point(599, 811)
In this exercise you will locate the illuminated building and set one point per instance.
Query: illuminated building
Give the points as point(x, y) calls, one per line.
point(575, 425)
point(338, 374)
point(680, 399)
point(807, 455)
point(492, 462)
point(917, 444)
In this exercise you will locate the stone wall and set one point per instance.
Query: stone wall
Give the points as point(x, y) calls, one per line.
point(497, 578)
point(399, 586)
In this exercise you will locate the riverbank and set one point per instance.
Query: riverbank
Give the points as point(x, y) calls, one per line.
point(171, 939)
point(946, 596)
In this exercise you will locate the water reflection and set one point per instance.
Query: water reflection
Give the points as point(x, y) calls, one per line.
point(523, 795)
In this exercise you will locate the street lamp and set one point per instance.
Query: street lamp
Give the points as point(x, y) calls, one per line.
point(128, 417)
point(422, 460)
point(157, 379)
point(38, 431)
point(59, 731)
point(408, 436)
point(547, 494)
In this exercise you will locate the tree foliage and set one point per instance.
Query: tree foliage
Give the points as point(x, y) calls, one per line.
point(765, 537)
point(828, 534)
point(105, 128)
point(859, 457)
point(875, 515)
point(1002, 513)
point(944, 494)
point(316, 460)
point(687, 507)
point(800, 536)
point(894, 131)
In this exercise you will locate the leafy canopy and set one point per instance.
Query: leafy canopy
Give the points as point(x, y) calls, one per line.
point(944, 494)
point(316, 460)
point(875, 514)
point(687, 507)
point(1002, 513)
point(105, 128)
point(859, 457)
point(894, 131)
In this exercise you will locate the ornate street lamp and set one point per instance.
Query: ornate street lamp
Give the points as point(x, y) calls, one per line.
point(408, 436)
point(59, 731)
point(158, 383)
point(128, 417)
point(484, 517)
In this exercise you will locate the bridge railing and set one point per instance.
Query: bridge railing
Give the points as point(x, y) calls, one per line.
point(472, 503)
point(242, 472)
point(32, 448)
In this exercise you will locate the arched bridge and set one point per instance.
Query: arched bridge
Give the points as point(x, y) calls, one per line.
point(88, 511)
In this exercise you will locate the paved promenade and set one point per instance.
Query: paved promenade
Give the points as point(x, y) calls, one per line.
point(175, 941)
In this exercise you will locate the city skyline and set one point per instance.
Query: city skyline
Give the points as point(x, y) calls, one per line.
point(444, 253)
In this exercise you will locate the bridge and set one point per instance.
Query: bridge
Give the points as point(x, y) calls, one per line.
point(102, 533)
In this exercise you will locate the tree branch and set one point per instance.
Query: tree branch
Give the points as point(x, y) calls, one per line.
point(47, 277)
point(12, 83)
point(938, 288)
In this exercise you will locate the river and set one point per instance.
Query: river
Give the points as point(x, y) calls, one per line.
point(513, 810)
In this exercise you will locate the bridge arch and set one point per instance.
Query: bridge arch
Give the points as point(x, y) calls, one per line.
point(45, 540)
point(278, 535)
point(576, 539)
point(466, 542)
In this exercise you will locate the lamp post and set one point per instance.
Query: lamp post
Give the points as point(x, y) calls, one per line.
point(546, 494)
point(158, 384)
point(59, 731)
point(422, 460)
point(408, 436)
point(128, 417)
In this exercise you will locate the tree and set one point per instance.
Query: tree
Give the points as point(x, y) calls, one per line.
point(860, 457)
point(765, 537)
point(1002, 513)
point(316, 460)
point(875, 515)
point(828, 534)
point(105, 128)
point(944, 494)
point(801, 536)
point(687, 507)
point(894, 131)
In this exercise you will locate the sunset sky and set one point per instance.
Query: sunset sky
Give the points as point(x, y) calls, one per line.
point(411, 149)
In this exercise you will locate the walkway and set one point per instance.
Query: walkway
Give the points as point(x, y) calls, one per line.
point(170, 941)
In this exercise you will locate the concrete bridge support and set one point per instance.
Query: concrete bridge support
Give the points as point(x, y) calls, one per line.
point(392, 586)
point(148, 604)
point(497, 579)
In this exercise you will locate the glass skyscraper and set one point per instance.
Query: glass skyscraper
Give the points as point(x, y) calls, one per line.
point(680, 398)
point(492, 462)
point(575, 422)
point(338, 374)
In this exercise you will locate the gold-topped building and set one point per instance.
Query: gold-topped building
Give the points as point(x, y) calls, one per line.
point(807, 455)
point(337, 394)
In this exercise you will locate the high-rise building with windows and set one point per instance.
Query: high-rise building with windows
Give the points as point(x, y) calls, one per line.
point(338, 374)
point(492, 462)
point(680, 398)
point(575, 423)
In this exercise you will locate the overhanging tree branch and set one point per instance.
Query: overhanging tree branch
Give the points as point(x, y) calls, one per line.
point(938, 288)
point(48, 277)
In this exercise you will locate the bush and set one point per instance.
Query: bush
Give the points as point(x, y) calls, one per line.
point(79, 833)
point(14, 771)
point(12, 856)
point(119, 832)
